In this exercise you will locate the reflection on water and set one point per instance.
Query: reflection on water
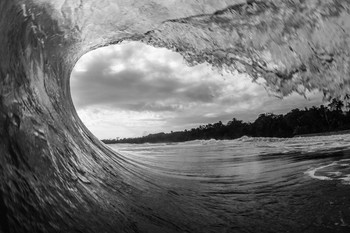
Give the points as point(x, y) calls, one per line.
point(252, 184)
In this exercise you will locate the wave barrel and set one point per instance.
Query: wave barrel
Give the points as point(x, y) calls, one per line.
point(56, 176)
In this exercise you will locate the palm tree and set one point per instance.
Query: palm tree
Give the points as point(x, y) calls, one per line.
point(347, 101)
point(336, 104)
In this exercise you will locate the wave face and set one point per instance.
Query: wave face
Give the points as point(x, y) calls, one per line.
point(55, 175)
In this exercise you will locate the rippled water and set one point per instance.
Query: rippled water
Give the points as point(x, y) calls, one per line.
point(252, 184)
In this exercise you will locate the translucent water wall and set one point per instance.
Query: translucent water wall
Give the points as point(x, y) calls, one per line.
point(55, 176)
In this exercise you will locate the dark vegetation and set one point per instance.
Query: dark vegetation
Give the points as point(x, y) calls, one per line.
point(334, 117)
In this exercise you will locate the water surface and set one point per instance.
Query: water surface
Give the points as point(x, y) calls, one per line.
point(251, 184)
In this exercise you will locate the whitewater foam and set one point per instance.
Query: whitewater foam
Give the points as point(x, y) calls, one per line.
point(333, 171)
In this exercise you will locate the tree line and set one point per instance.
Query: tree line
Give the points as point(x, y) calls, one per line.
point(333, 117)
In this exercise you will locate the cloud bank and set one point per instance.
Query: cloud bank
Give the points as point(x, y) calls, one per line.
point(132, 89)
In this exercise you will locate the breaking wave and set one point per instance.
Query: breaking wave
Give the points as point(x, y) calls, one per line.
point(57, 177)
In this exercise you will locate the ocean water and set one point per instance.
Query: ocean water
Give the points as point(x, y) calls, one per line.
point(249, 184)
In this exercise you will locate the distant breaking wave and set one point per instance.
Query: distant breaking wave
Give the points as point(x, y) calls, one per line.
point(55, 176)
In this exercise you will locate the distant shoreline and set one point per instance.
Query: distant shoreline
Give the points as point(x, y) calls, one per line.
point(315, 121)
point(330, 133)
point(324, 133)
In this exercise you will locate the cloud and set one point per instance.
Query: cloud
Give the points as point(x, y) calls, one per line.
point(129, 81)
point(128, 89)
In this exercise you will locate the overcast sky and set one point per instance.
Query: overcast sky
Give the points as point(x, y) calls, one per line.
point(132, 89)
